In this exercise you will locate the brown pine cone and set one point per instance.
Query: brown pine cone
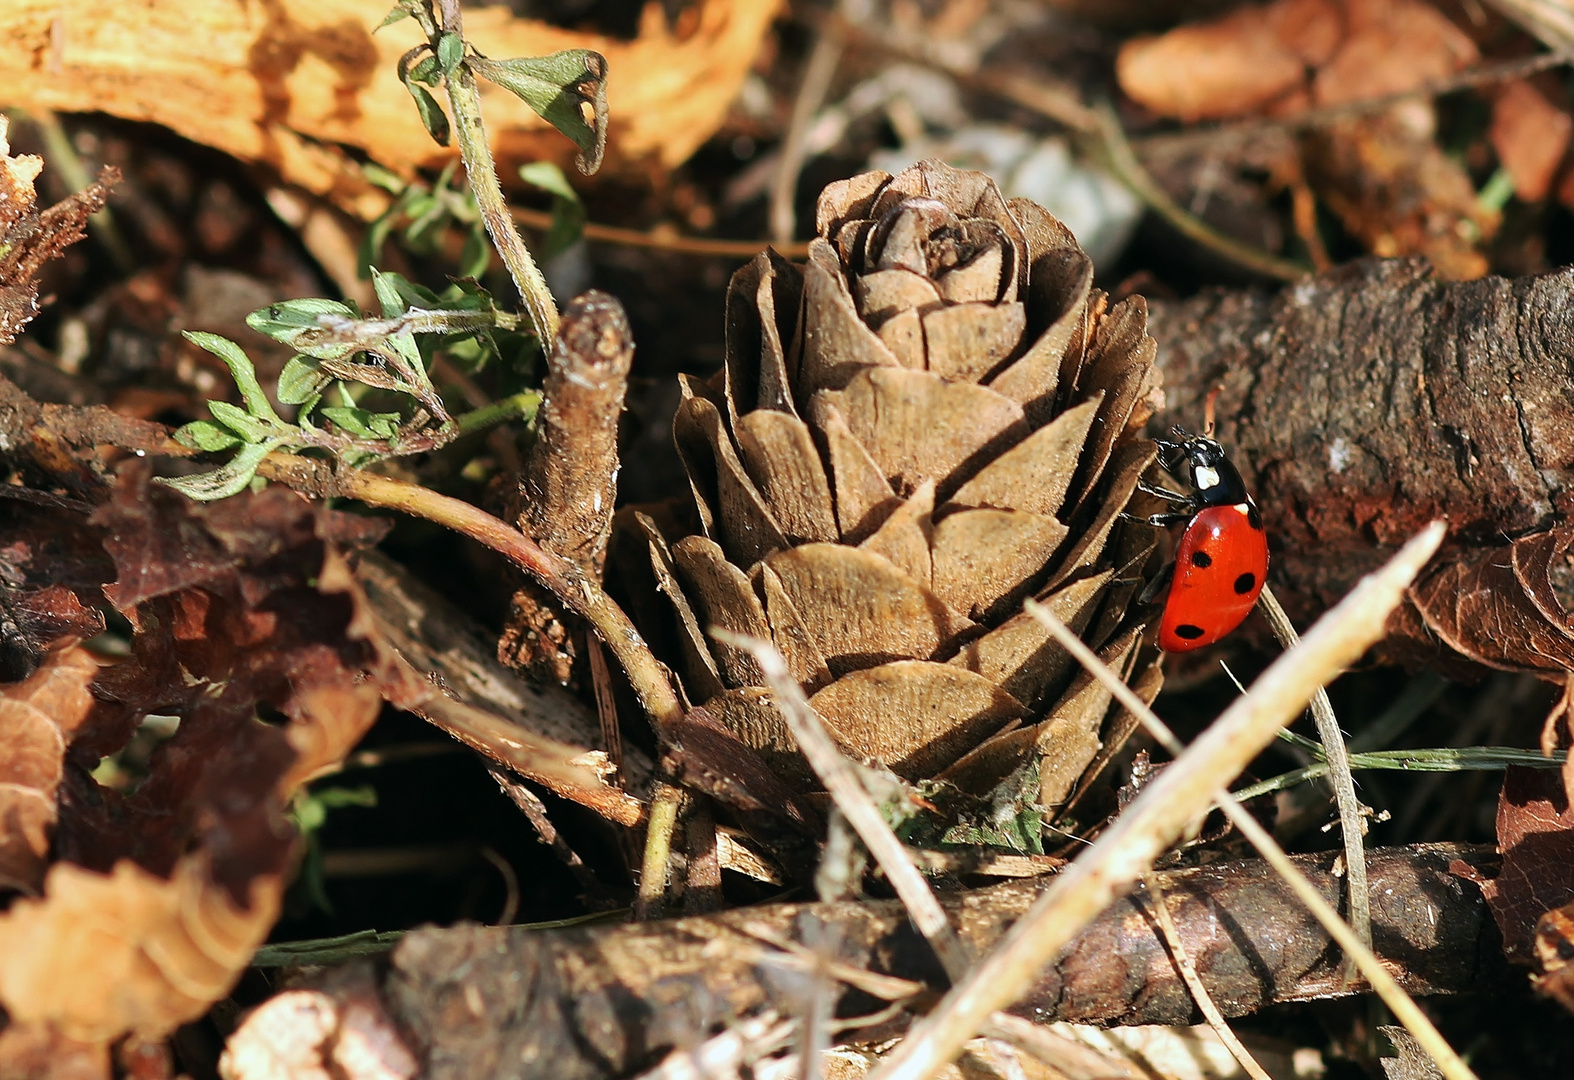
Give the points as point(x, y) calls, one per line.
point(934, 419)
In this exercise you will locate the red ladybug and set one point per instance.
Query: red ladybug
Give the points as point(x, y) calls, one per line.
point(1223, 556)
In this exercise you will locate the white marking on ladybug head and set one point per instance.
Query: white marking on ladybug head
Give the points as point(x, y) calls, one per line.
point(1205, 477)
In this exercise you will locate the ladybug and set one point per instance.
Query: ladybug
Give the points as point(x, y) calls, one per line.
point(1222, 560)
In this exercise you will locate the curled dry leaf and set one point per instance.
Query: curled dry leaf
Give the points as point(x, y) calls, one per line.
point(1535, 830)
point(37, 720)
point(310, 90)
point(158, 896)
point(1291, 54)
point(1385, 176)
point(934, 418)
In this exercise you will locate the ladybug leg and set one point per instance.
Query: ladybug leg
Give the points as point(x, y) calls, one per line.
point(1161, 521)
point(1159, 585)
point(1164, 493)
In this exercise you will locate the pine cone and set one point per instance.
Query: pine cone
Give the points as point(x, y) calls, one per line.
point(934, 419)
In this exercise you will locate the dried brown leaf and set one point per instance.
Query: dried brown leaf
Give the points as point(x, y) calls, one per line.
point(145, 953)
point(1530, 135)
point(1497, 606)
point(1535, 830)
point(38, 718)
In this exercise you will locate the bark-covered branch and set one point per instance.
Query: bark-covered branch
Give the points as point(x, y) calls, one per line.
point(602, 1001)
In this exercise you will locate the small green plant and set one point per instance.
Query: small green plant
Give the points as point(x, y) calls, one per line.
point(344, 362)
point(337, 349)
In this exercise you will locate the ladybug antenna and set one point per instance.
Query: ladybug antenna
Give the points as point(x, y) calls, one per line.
point(1207, 411)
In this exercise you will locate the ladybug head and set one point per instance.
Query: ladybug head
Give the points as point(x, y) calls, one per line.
point(1202, 463)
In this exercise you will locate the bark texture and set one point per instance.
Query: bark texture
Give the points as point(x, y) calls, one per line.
point(603, 1001)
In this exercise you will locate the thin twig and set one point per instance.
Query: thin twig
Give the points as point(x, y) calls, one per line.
point(1352, 820)
point(576, 590)
point(464, 99)
point(663, 822)
point(824, 59)
point(1129, 171)
point(535, 812)
point(1158, 816)
point(663, 239)
point(1188, 973)
point(846, 787)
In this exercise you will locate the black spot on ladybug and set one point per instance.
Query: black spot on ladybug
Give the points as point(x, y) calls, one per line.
point(1254, 517)
point(1244, 584)
point(1202, 559)
point(1188, 631)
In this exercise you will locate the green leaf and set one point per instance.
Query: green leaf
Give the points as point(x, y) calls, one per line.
point(404, 344)
point(241, 422)
point(400, 11)
point(363, 423)
point(241, 371)
point(568, 212)
point(388, 294)
point(558, 87)
point(450, 51)
point(549, 178)
point(301, 380)
point(432, 115)
point(294, 323)
point(426, 71)
point(206, 435)
point(224, 482)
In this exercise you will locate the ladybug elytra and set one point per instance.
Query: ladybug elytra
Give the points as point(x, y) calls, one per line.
point(1222, 560)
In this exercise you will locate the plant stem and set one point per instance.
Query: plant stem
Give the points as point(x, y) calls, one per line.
point(520, 406)
point(570, 585)
point(464, 100)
